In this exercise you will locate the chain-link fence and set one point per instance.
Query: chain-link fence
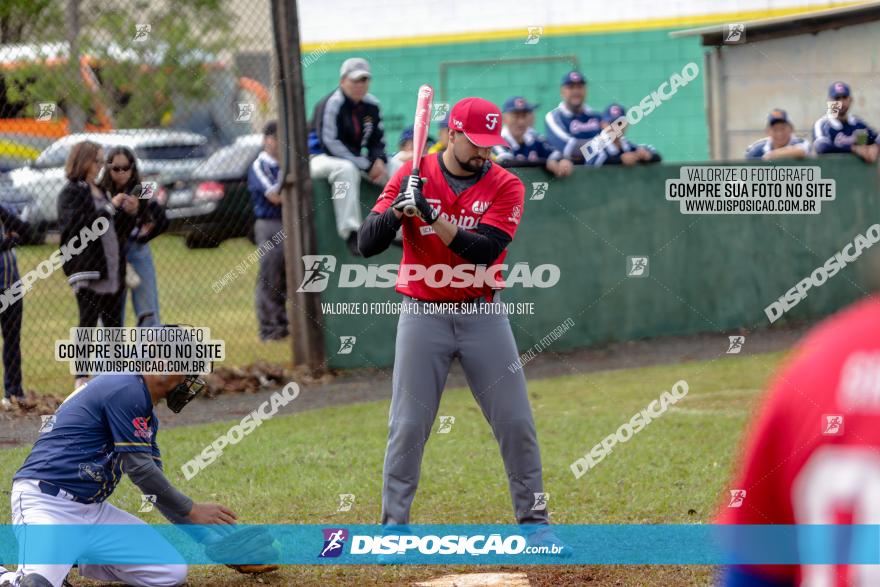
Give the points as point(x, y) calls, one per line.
point(184, 88)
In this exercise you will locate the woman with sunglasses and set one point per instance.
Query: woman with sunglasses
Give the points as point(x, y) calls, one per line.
point(121, 175)
point(97, 271)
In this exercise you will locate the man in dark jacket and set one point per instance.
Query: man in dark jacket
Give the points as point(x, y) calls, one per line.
point(346, 141)
point(11, 228)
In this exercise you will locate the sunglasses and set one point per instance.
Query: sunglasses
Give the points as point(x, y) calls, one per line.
point(119, 169)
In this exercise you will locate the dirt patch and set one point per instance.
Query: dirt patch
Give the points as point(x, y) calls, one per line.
point(235, 392)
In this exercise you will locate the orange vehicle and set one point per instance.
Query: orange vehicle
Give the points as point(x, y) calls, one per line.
point(23, 135)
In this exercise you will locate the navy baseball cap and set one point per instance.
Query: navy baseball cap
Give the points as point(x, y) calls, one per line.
point(572, 78)
point(518, 104)
point(406, 135)
point(838, 90)
point(777, 115)
point(613, 112)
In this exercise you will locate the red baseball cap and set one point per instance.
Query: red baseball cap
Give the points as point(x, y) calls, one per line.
point(479, 120)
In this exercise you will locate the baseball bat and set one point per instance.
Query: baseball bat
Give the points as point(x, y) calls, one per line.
point(420, 132)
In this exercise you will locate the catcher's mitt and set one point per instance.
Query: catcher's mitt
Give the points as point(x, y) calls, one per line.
point(252, 546)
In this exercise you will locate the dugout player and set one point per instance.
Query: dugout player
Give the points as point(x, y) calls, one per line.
point(571, 124)
point(839, 131)
point(468, 212)
point(523, 141)
point(619, 150)
point(780, 142)
point(104, 428)
point(812, 456)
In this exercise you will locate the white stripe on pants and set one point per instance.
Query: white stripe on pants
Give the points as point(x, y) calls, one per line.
point(31, 506)
point(347, 208)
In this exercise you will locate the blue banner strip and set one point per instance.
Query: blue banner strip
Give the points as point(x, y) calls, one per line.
point(452, 544)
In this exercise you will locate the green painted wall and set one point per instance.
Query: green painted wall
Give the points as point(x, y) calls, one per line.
point(707, 273)
point(620, 67)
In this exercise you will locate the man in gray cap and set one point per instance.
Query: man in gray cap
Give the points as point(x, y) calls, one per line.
point(346, 142)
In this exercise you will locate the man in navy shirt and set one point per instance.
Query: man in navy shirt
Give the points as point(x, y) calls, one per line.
point(524, 144)
point(571, 124)
point(264, 185)
point(841, 132)
point(103, 428)
point(780, 142)
point(619, 150)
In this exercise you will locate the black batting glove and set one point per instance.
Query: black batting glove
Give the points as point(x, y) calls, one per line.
point(412, 196)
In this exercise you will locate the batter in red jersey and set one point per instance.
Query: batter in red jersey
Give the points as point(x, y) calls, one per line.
point(468, 212)
point(813, 456)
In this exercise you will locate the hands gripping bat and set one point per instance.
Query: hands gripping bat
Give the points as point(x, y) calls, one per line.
point(420, 132)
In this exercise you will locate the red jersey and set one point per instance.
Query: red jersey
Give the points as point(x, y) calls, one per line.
point(812, 456)
point(495, 199)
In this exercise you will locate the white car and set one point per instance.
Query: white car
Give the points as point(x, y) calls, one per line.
point(163, 156)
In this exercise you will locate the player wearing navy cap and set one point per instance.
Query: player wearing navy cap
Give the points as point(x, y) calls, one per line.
point(524, 144)
point(104, 428)
point(618, 150)
point(841, 132)
point(571, 124)
point(780, 142)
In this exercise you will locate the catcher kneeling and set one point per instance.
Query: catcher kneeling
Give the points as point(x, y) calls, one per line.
point(103, 428)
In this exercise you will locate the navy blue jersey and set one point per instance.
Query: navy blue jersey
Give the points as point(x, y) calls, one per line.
point(610, 154)
point(759, 148)
point(79, 451)
point(567, 131)
point(533, 148)
point(832, 135)
point(262, 177)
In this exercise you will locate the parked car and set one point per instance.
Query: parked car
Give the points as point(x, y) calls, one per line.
point(13, 199)
point(164, 156)
point(214, 204)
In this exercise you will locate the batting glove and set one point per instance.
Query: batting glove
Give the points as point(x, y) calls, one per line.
point(411, 195)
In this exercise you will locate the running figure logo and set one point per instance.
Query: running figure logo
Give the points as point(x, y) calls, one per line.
point(736, 344)
point(346, 345)
point(346, 501)
point(539, 190)
point(340, 189)
point(832, 425)
point(147, 503)
point(636, 266)
point(446, 423)
point(736, 498)
point(45, 111)
point(735, 33)
point(334, 540)
point(47, 424)
point(541, 501)
point(318, 270)
point(141, 32)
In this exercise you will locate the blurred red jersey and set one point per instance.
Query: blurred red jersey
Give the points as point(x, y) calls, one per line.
point(812, 456)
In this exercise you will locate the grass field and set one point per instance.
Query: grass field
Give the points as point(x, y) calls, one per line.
point(293, 467)
point(186, 296)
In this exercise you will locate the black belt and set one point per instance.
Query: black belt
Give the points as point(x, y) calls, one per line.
point(54, 490)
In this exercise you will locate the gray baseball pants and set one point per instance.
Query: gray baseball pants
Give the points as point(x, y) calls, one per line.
point(426, 344)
